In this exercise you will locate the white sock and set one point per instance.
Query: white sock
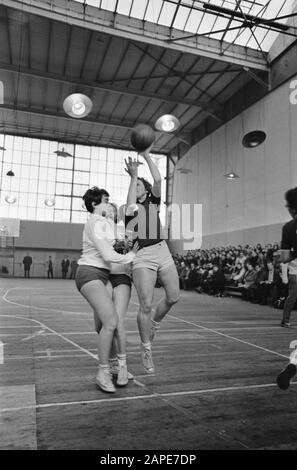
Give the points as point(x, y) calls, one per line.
point(113, 360)
point(104, 367)
point(156, 324)
point(293, 358)
point(122, 359)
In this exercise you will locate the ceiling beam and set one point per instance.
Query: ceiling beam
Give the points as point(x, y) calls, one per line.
point(54, 114)
point(101, 87)
point(107, 22)
point(244, 16)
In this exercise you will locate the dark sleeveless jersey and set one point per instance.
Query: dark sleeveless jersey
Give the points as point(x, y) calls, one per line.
point(289, 237)
point(145, 222)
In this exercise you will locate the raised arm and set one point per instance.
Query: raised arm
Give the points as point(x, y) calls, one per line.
point(156, 189)
point(132, 170)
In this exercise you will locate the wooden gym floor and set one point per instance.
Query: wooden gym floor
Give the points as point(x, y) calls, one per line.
point(214, 388)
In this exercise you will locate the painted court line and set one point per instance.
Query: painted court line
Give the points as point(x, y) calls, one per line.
point(143, 397)
point(1, 352)
point(229, 337)
point(137, 382)
point(242, 328)
point(154, 394)
point(170, 316)
point(82, 333)
point(48, 354)
point(4, 297)
point(56, 333)
point(38, 333)
point(18, 327)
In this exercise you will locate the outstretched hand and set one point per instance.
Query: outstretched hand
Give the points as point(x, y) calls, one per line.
point(132, 167)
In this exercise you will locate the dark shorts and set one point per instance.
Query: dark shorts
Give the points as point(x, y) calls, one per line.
point(87, 273)
point(118, 279)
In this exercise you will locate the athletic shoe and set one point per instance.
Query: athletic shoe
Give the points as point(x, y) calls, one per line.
point(283, 379)
point(104, 380)
point(286, 324)
point(122, 379)
point(293, 357)
point(114, 370)
point(147, 360)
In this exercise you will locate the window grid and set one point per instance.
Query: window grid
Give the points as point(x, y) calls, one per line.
point(40, 174)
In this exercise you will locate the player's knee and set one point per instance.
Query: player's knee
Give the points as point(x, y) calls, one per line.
point(172, 299)
point(111, 324)
point(147, 308)
point(120, 326)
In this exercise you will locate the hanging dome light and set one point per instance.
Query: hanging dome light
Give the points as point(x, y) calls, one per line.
point(253, 139)
point(10, 173)
point(10, 199)
point(231, 176)
point(167, 123)
point(62, 153)
point(184, 171)
point(2, 148)
point(49, 202)
point(77, 105)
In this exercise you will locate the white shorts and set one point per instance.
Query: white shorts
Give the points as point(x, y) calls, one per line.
point(156, 257)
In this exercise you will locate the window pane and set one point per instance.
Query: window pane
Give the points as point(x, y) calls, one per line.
point(79, 190)
point(40, 173)
point(81, 177)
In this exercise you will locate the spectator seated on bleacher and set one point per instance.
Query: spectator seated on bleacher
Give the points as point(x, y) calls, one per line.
point(261, 276)
point(237, 275)
point(247, 281)
point(201, 277)
point(242, 270)
point(241, 258)
point(206, 283)
point(269, 287)
point(191, 280)
point(183, 274)
point(188, 278)
point(218, 281)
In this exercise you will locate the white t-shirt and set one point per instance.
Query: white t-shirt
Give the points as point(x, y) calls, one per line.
point(98, 237)
point(117, 268)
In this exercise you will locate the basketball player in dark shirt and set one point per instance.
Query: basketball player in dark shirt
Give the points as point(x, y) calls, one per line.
point(289, 243)
point(153, 258)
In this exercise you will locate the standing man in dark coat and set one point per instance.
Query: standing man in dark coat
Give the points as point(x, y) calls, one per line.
point(27, 261)
point(73, 268)
point(65, 266)
point(50, 271)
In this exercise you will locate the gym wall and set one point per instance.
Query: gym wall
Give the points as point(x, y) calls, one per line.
point(249, 209)
point(44, 239)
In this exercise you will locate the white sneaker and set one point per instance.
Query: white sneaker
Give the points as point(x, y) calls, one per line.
point(147, 360)
point(104, 380)
point(114, 370)
point(122, 379)
point(293, 357)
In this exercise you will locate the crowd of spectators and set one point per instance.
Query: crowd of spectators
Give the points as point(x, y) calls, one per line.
point(252, 271)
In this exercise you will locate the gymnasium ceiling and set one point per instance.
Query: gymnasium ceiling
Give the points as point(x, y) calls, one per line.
point(136, 60)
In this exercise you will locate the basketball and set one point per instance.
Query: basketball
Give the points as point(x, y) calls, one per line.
point(142, 136)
